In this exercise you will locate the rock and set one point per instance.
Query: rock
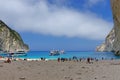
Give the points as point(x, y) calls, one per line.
point(112, 42)
point(10, 40)
point(108, 44)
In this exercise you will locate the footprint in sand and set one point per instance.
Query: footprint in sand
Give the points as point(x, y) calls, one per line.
point(79, 78)
point(104, 77)
point(79, 73)
point(22, 78)
point(69, 78)
point(1, 65)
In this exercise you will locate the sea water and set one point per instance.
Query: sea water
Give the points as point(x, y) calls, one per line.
point(69, 54)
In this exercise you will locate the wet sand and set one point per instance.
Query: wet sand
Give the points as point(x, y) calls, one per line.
point(53, 70)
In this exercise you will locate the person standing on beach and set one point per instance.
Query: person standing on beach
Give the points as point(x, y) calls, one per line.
point(88, 60)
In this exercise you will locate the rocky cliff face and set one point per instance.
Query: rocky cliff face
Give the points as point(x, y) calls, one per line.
point(108, 44)
point(10, 40)
point(112, 42)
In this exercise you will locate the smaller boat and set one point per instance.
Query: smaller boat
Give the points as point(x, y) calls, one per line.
point(54, 53)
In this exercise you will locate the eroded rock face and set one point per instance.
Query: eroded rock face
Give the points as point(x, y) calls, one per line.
point(114, 41)
point(10, 40)
point(108, 44)
point(116, 17)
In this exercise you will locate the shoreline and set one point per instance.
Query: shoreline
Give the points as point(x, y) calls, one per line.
point(74, 58)
point(37, 55)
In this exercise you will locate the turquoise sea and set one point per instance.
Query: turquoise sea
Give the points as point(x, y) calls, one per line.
point(69, 54)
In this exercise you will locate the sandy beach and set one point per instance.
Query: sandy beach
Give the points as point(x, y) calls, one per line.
point(53, 70)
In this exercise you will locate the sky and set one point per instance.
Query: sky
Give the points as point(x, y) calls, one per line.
point(78, 25)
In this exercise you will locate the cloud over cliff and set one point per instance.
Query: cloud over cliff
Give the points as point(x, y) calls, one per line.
point(48, 19)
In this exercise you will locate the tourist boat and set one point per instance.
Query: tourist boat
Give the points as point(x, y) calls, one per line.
point(17, 53)
point(20, 53)
point(56, 52)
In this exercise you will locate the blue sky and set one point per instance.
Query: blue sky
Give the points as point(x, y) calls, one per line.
point(60, 24)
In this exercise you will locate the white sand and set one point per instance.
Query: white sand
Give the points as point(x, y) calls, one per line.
point(53, 70)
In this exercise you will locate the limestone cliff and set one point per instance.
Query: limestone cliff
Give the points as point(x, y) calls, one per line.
point(108, 44)
point(115, 42)
point(10, 40)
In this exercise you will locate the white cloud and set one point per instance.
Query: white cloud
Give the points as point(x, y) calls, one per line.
point(44, 18)
point(91, 3)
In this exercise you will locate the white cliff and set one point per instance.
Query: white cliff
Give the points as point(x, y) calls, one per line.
point(10, 40)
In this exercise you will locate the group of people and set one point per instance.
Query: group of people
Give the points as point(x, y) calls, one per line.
point(74, 58)
point(8, 60)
